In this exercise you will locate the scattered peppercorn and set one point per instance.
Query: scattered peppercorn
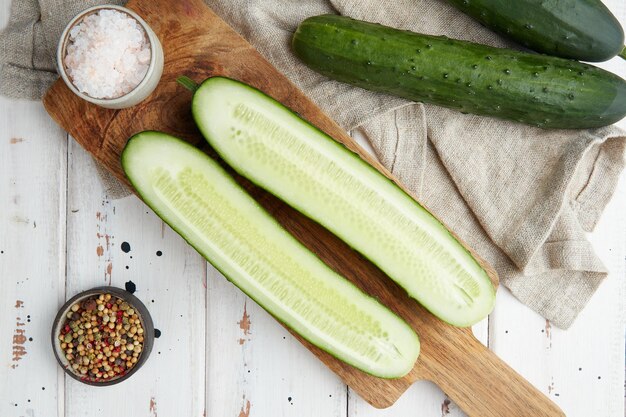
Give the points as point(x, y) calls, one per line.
point(102, 338)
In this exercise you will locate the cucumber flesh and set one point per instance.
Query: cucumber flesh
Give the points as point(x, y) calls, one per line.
point(267, 143)
point(199, 200)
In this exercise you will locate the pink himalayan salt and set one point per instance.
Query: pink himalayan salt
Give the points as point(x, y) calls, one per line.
point(108, 54)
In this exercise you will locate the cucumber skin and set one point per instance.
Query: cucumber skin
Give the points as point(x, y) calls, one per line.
point(584, 30)
point(223, 273)
point(342, 147)
point(543, 91)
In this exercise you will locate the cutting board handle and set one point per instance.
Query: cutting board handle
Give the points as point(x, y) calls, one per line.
point(484, 386)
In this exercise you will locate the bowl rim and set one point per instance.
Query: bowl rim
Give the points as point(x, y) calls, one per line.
point(64, 40)
point(144, 316)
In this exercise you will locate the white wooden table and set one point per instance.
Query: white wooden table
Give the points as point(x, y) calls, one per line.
point(219, 353)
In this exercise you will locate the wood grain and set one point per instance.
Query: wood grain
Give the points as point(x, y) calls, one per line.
point(32, 256)
point(199, 44)
point(173, 378)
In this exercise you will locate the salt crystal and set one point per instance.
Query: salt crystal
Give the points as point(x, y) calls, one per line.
point(108, 54)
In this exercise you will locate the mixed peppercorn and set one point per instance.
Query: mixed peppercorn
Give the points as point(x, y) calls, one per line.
point(102, 338)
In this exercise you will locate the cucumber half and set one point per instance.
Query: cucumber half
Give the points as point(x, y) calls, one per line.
point(273, 147)
point(199, 200)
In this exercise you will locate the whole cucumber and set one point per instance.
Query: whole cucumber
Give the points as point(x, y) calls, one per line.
point(578, 29)
point(535, 89)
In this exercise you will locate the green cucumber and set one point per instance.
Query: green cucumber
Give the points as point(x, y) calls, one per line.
point(199, 200)
point(584, 30)
point(270, 145)
point(535, 89)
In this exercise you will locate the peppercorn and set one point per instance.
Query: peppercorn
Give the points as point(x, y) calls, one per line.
point(102, 337)
point(89, 305)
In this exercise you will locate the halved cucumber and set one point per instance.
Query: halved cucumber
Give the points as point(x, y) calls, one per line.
point(267, 143)
point(199, 200)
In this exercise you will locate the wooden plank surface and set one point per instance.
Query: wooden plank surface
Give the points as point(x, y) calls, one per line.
point(194, 37)
point(256, 367)
point(32, 257)
point(581, 369)
point(171, 285)
point(595, 343)
point(33, 172)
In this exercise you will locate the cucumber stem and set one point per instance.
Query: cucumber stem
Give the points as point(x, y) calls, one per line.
point(623, 53)
point(188, 83)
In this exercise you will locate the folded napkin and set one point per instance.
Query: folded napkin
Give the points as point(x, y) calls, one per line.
point(521, 196)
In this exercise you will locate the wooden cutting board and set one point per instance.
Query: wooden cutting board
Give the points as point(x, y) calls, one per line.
point(197, 43)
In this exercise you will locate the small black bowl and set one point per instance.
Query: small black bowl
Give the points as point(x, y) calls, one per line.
point(138, 306)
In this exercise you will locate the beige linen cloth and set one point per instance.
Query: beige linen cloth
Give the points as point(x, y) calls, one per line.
point(521, 196)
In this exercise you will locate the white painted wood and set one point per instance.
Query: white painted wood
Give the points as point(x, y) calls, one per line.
point(423, 395)
point(33, 157)
point(202, 360)
point(548, 356)
point(581, 369)
point(256, 368)
point(171, 383)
